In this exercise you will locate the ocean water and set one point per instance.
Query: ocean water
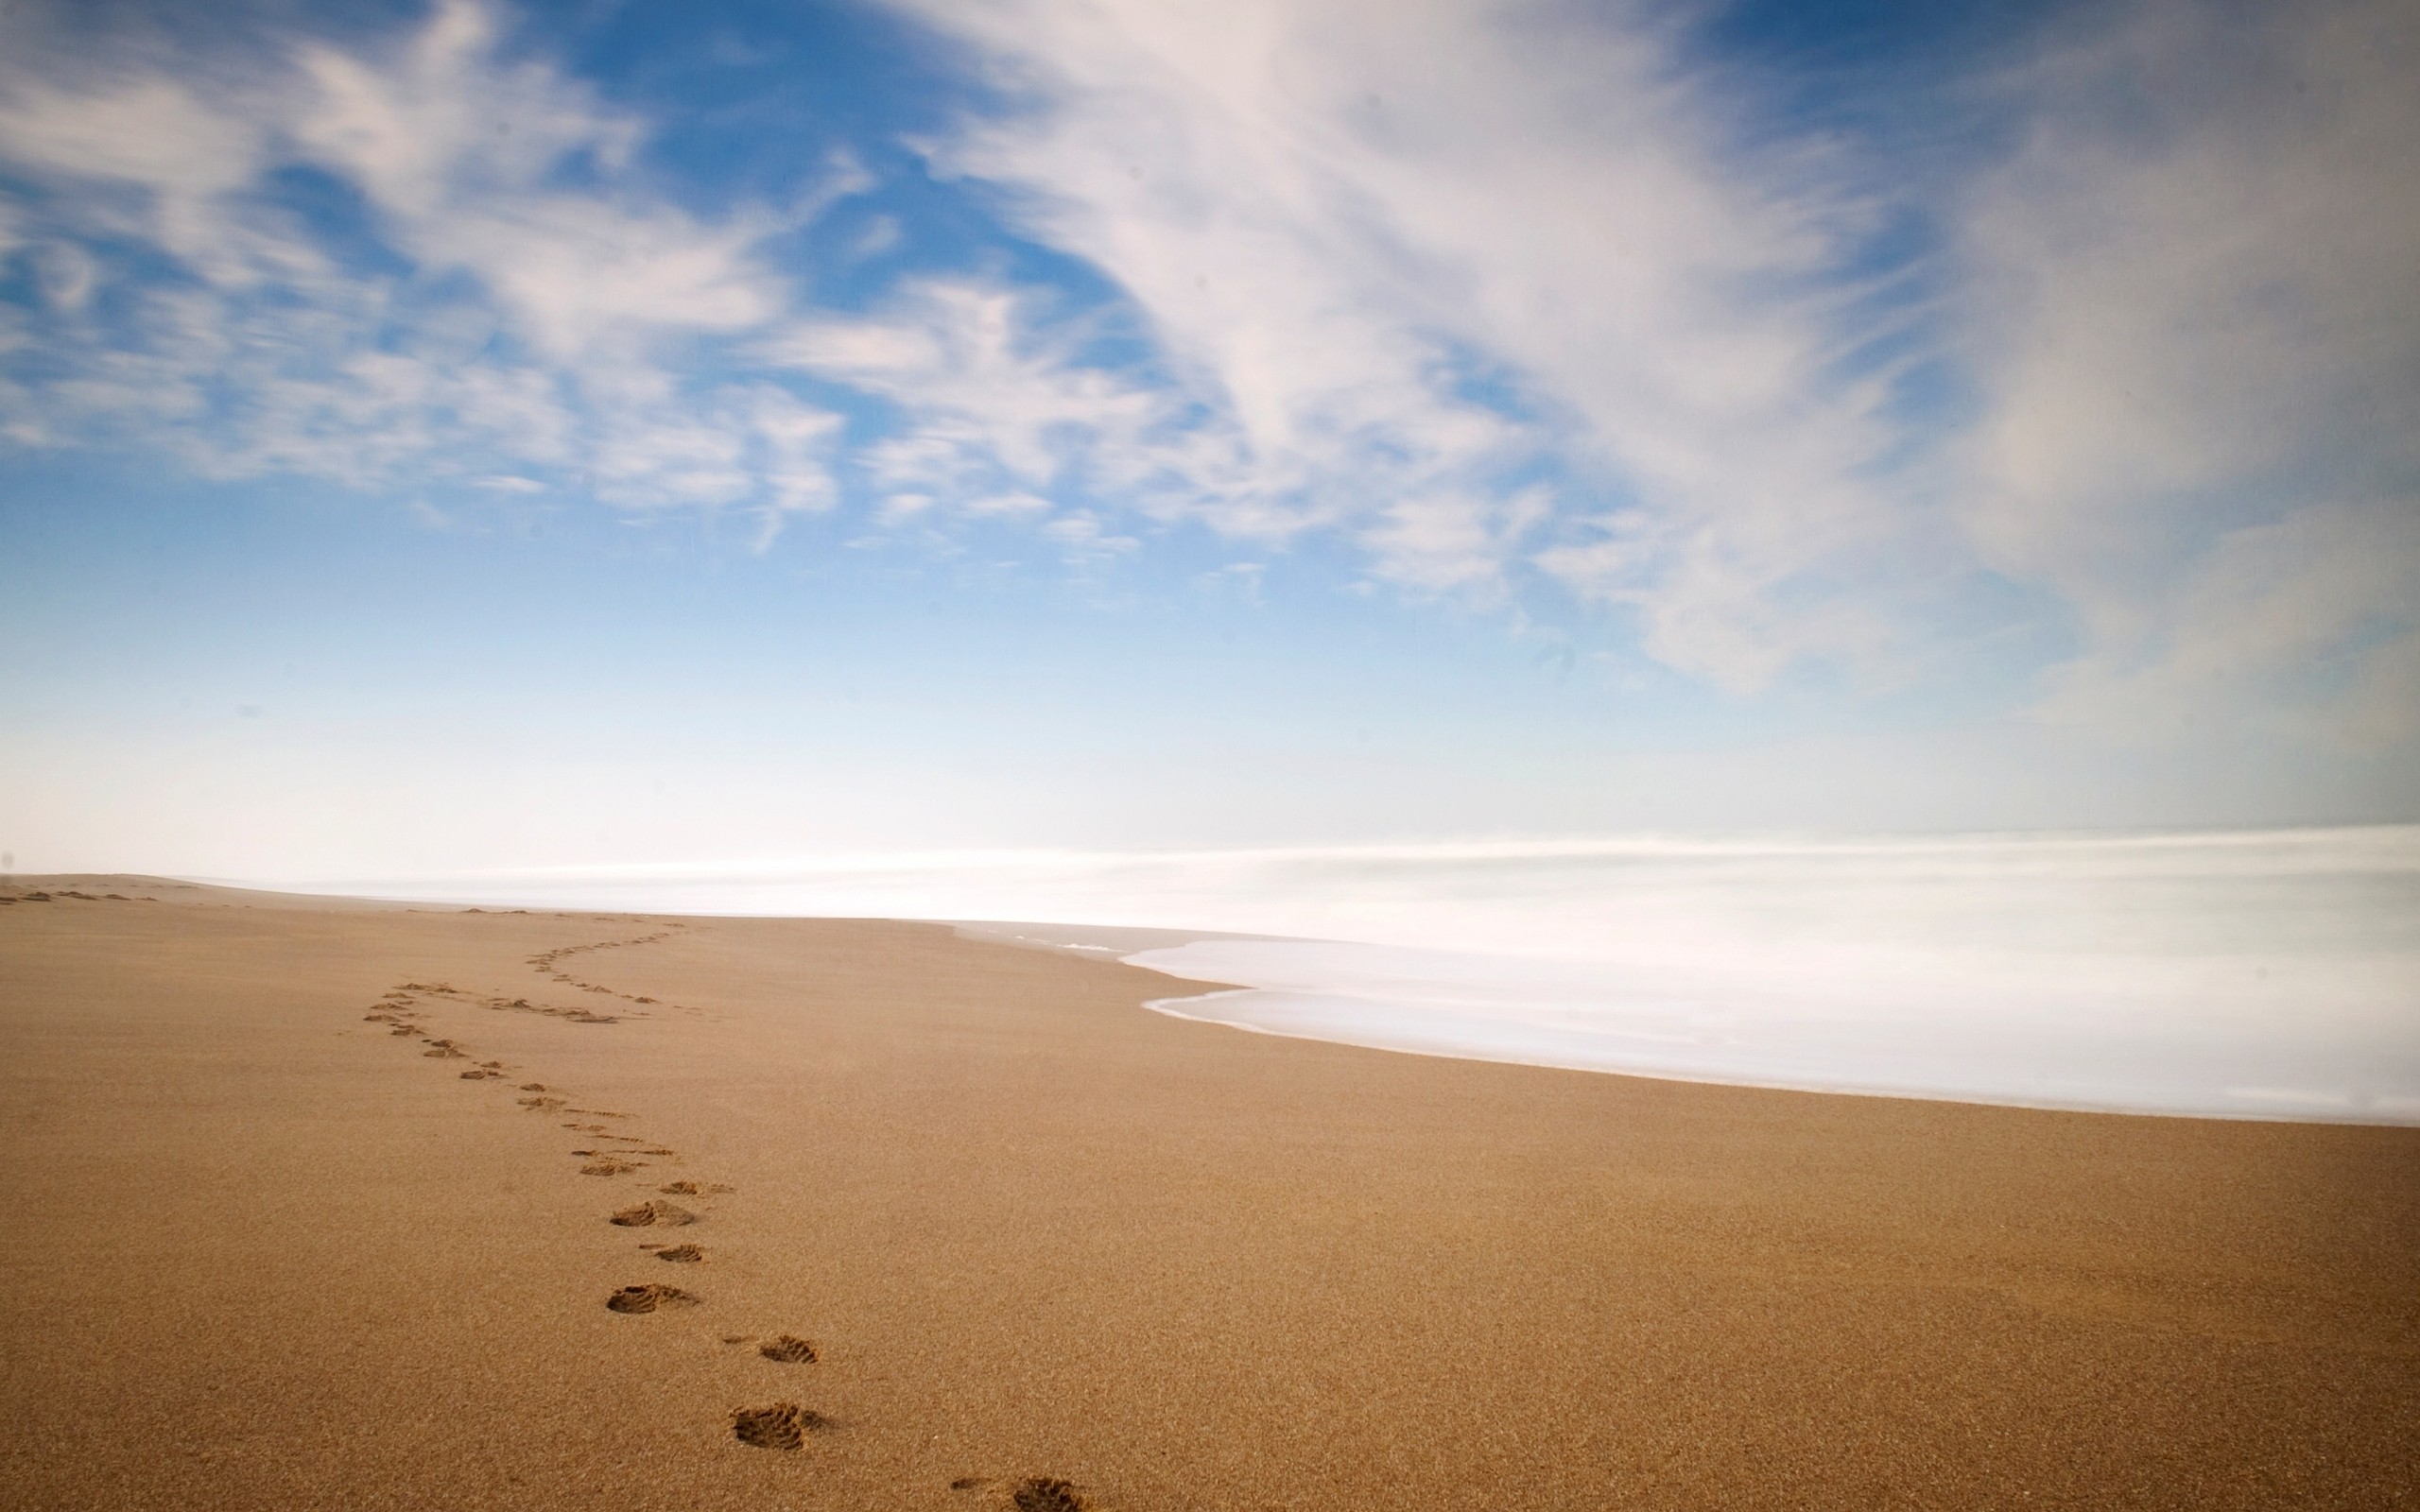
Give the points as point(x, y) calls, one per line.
point(2269, 975)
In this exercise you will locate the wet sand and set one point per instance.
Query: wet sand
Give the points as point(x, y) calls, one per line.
point(273, 1244)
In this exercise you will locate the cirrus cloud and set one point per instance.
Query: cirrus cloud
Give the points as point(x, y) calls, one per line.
point(1531, 305)
point(508, 315)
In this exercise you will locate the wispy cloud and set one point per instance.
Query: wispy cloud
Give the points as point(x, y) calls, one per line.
point(2194, 318)
point(513, 298)
point(1389, 255)
point(1398, 252)
point(1526, 304)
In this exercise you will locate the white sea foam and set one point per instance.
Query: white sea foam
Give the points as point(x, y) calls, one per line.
point(2262, 974)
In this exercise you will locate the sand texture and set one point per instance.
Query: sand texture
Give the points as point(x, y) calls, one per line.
point(374, 1208)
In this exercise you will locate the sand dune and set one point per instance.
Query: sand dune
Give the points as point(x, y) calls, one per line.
point(376, 1206)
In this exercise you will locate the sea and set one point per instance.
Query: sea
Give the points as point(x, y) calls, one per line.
point(2271, 975)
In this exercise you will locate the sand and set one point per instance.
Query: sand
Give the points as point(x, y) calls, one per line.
point(270, 1247)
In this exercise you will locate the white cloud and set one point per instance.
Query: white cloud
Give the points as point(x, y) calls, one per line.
point(1083, 539)
point(2196, 324)
point(1502, 293)
point(2309, 619)
point(144, 129)
point(2186, 301)
point(997, 403)
point(65, 273)
point(539, 326)
point(1333, 216)
point(458, 151)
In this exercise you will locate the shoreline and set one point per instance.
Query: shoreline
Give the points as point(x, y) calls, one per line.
point(2242, 975)
point(1174, 1008)
point(286, 1250)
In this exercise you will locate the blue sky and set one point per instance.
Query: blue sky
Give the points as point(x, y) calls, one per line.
point(478, 435)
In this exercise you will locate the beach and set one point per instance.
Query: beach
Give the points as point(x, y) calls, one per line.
point(313, 1206)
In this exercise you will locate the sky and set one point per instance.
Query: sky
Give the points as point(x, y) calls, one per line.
point(437, 438)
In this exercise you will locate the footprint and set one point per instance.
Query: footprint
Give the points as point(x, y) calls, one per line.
point(1035, 1493)
point(696, 1189)
point(533, 1086)
point(649, 1297)
point(783, 1425)
point(648, 1215)
point(788, 1350)
point(682, 1254)
point(609, 1167)
point(479, 1075)
point(539, 1105)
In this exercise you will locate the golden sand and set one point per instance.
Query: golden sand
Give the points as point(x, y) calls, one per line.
point(358, 1207)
